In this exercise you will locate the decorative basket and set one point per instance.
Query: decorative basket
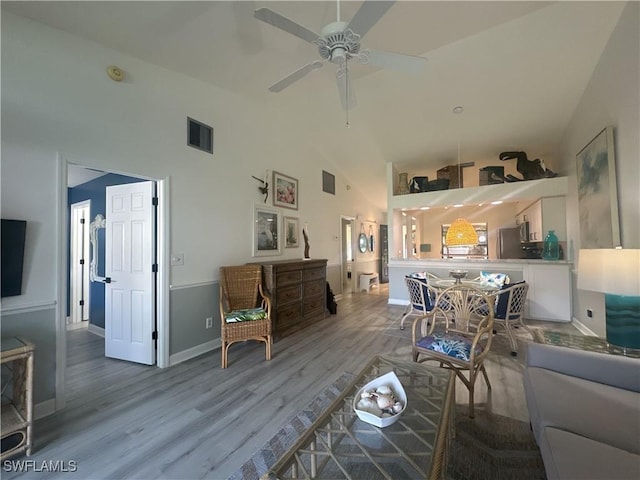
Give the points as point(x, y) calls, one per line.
point(390, 379)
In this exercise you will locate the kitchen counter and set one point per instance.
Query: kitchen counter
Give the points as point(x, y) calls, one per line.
point(549, 296)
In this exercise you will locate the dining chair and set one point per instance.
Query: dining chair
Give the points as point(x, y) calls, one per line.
point(245, 310)
point(509, 311)
point(459, 338)
point(421, 295)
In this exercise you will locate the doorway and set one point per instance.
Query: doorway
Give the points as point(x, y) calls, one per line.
point(161, 283)
point(79, 267)
point(347, 225)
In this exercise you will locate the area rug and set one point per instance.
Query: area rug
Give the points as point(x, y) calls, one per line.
point(488, 447)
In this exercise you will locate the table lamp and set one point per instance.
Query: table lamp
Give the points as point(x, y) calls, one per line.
point(616, 273)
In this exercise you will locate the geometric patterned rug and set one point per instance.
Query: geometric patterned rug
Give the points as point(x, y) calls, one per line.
point(488, 447)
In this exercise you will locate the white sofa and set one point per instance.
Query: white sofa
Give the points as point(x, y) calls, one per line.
point(584, 409)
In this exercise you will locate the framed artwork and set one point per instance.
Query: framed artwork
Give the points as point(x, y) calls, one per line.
point(291, 232)
point(285, 191)
point(598, 193)
point(266, 231)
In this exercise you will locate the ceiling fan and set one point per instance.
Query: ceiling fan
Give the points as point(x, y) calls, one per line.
point(339, 43)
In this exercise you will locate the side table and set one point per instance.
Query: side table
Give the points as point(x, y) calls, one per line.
point(16, 358)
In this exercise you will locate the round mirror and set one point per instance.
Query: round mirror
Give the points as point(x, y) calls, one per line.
point(371, 243)
point(363, 243)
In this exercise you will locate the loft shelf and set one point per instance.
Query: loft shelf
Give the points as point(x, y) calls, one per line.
point(507, 192)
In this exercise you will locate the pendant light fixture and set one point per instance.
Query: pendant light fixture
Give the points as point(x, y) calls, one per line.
point(461, 232)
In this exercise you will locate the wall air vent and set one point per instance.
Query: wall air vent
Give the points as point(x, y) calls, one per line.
point(199, 135)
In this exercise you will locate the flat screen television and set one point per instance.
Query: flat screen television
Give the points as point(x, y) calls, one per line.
point(12, 233)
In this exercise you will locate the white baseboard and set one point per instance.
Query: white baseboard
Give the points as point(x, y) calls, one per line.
point(397, 301)
point(78, 325)
point(582, 328)
point(44, 409)
point(194, 352)
point(96, 330)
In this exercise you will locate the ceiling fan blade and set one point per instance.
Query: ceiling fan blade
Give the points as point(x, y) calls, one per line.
point(283, 23)
point(368, 15)
point(345, 88)
point(295, 76)
point(394, 61)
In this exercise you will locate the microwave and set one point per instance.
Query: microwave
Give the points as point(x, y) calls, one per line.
point(524, 231)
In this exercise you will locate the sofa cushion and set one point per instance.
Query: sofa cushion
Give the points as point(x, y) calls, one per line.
point(601, 412)
point(570, 456)
point(245, 315)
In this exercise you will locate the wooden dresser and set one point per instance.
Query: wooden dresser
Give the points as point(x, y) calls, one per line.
point(298, 292)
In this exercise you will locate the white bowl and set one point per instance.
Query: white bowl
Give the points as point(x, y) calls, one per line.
point(392, 380)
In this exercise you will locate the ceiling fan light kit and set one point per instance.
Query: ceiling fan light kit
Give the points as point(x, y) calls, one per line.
point(339, 43)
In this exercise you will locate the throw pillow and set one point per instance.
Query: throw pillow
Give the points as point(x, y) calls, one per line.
point(246, 315)
point(493, 279)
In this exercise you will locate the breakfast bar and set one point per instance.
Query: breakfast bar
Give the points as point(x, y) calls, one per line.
point(549, 281)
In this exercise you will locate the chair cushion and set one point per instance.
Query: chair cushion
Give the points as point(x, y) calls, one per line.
point(245, 315)
point(493, 279)
point(502, 302)
point(454, 345)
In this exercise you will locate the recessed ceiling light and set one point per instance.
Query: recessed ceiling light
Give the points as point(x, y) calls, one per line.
point(425, 208)
point(496, 202)
point(458, 205)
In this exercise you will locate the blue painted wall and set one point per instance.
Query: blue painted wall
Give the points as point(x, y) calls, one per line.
point(95, 190)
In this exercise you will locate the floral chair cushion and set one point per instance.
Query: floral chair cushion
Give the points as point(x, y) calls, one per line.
point(246, 315)
point(493, 279)
point(453, 345)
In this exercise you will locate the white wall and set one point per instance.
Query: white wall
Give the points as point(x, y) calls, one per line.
point(57, 101)
point(611, 99)
point(57, 98)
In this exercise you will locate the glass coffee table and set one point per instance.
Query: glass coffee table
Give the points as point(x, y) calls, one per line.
point(340, 445)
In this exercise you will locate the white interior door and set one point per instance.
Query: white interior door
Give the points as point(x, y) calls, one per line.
point(80, 219)
point(129, 262)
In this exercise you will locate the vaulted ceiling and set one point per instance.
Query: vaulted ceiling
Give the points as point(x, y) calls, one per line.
point(518, 68)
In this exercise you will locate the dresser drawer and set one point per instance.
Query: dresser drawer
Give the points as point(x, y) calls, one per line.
point(314, 274)
point(288, 315)
point(289, 294)
point(313, 306)
point(288, 278)
point(314, 288)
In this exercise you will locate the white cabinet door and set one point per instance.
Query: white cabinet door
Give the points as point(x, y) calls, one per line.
point(549, 296)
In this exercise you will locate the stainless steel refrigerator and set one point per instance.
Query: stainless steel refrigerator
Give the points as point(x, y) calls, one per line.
point(508, 243)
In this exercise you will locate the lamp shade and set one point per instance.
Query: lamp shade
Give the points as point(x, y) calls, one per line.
point(461, 232)
point(608, 270)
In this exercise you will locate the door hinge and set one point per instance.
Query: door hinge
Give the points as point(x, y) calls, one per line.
point(154, 201)
point(82, 261)
point(154, 268)
point(154, 335)
point(82, 221)
point(81, 303)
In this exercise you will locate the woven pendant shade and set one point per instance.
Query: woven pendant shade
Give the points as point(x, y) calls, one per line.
point(461, 232)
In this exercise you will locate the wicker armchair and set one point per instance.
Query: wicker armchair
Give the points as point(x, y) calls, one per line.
point(457, 337)
point(245, 311)
point(509, 311)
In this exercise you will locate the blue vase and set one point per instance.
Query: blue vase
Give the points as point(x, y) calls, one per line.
point(550, 249)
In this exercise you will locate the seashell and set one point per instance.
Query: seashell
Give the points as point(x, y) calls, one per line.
point(374, 410)
point(365, 394)
point(397, 407)
point(384, 401)
point(366, 403)
point(386, 415)
point(384, 390)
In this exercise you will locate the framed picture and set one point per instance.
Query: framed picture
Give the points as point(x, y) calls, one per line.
point(266, 231)
point(291, 232)
point(285, 191)
point(598, 193)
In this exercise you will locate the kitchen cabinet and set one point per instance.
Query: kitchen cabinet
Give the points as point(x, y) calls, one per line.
point(549, 296)
point(545, 214)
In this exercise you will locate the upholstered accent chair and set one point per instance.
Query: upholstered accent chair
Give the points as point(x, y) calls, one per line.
point(245, 310)
point(458, 336)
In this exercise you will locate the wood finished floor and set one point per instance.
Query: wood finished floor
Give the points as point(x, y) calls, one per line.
point(196, 420)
